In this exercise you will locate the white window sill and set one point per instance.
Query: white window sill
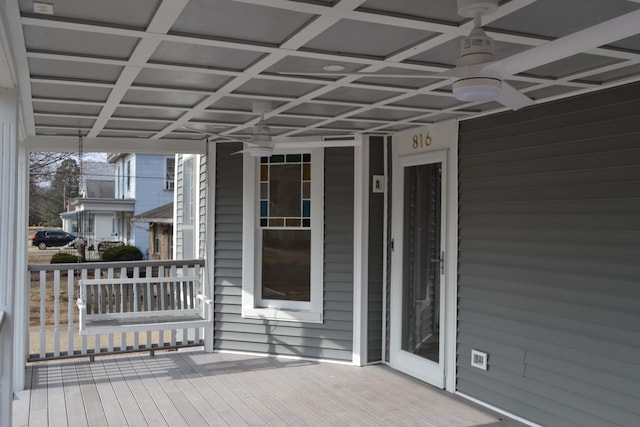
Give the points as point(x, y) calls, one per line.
point(286, 315)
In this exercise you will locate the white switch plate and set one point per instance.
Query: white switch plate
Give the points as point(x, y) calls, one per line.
point(479, 359)
point(43, 8)
point(378, 183)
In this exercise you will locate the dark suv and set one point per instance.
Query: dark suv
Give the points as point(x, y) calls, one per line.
point(45, 238)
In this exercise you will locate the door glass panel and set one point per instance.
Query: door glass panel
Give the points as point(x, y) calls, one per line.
point(421, 260)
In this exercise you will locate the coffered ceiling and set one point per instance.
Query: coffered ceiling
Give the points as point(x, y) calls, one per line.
point(150, 68)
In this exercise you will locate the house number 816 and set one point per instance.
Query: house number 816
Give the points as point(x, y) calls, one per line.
point(421, 141)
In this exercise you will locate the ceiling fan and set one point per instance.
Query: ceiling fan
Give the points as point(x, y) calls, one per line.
point(477, 77)
point(259, 144)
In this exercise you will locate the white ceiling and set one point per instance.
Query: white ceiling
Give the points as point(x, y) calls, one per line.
point(145, 68)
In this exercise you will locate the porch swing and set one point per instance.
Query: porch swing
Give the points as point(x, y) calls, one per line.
point(135, 304)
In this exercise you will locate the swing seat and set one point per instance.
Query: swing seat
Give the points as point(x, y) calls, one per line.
point(142, 304)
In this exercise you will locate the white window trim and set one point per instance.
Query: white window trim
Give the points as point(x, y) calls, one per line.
point(252, 305)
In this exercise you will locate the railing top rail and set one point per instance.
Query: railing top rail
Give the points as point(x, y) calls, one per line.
point(116, 264)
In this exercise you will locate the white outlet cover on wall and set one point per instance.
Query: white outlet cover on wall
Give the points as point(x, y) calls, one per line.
point(479, 359)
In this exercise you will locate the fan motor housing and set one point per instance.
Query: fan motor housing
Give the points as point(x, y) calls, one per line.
point(477, 48)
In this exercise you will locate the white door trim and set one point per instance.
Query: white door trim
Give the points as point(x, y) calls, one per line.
point(416, 366)
point(444, 136)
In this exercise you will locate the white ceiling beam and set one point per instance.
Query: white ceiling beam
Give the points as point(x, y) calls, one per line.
point(62, 144)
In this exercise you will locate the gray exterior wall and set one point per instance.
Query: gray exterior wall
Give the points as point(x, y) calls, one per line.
point(331, 339)
point(202, 207)
point(549, 271)
point(376, 255)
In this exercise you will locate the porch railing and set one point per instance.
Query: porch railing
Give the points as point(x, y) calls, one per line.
point(53, 315)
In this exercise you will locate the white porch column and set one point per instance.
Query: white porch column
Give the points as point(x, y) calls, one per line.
point(360, 253)
point(11, 236)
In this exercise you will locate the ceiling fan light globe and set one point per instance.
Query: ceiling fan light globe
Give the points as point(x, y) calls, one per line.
point(477, 89)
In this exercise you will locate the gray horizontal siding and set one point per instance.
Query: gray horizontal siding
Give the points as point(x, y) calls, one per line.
point(179, 201)
point(376, 254)
point(333, 338)
point(549, 246)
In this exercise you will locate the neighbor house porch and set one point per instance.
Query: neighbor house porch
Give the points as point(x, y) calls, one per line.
point(191, 387)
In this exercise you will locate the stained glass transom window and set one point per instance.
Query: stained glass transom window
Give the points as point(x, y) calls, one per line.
point(285, 191)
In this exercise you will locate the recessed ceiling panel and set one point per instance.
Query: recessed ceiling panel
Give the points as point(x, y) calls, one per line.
point(180, 79)
point(449, 52)
point(128, 13)
point(432, 10)
point(64, 121)
point(291, 121)
point(170, 99)
point(322, 110)
point(553, 18)
point(428, 101)
point(365, 96)
point(125, 134)
point(387, 114)
point(240, 21)
point(239, 103)
point(71, 92)
point(361, 38)
point(148, 113)
point(74, 70)
point(292, 64)
point(52, 130)
point(134, 125)
point(212, 116)
point(550, 91)
point(613, 75)
point(401, 82)
point(630, 43)
point(276, 88)
point(204, 56)
point(571, 65)
point(78, 42)
point(352, 125)
point(60, 108)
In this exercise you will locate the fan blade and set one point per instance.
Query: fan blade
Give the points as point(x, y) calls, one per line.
point(512, 98)
point(582, 41)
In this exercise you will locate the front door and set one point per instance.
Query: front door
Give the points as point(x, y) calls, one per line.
point(418, 270)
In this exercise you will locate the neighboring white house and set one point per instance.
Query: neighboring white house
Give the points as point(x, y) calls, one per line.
point(95, 215)
point(147, 180)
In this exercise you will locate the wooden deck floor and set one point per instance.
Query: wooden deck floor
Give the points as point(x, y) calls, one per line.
point(193, 388)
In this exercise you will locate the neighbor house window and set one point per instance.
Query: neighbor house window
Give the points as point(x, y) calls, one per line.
point(128, 175)
point(156, 238)
point(170, 170)
point(282, 269)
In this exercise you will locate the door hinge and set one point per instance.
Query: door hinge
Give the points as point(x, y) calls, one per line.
point(391, 245)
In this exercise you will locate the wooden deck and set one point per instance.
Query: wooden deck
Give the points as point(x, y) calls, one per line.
point(193, 388)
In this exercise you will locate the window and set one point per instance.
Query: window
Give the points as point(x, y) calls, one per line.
point(283, 220)
point(156, 238)
point(128, 175)
point(170, 169)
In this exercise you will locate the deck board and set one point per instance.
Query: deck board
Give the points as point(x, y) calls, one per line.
point(193, 388)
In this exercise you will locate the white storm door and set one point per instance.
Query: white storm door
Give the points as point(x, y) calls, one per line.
point(418, 271)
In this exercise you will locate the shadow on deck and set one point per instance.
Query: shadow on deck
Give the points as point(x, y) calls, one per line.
point(193, 388)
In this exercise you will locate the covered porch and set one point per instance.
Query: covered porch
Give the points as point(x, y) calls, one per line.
point(191, 387)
